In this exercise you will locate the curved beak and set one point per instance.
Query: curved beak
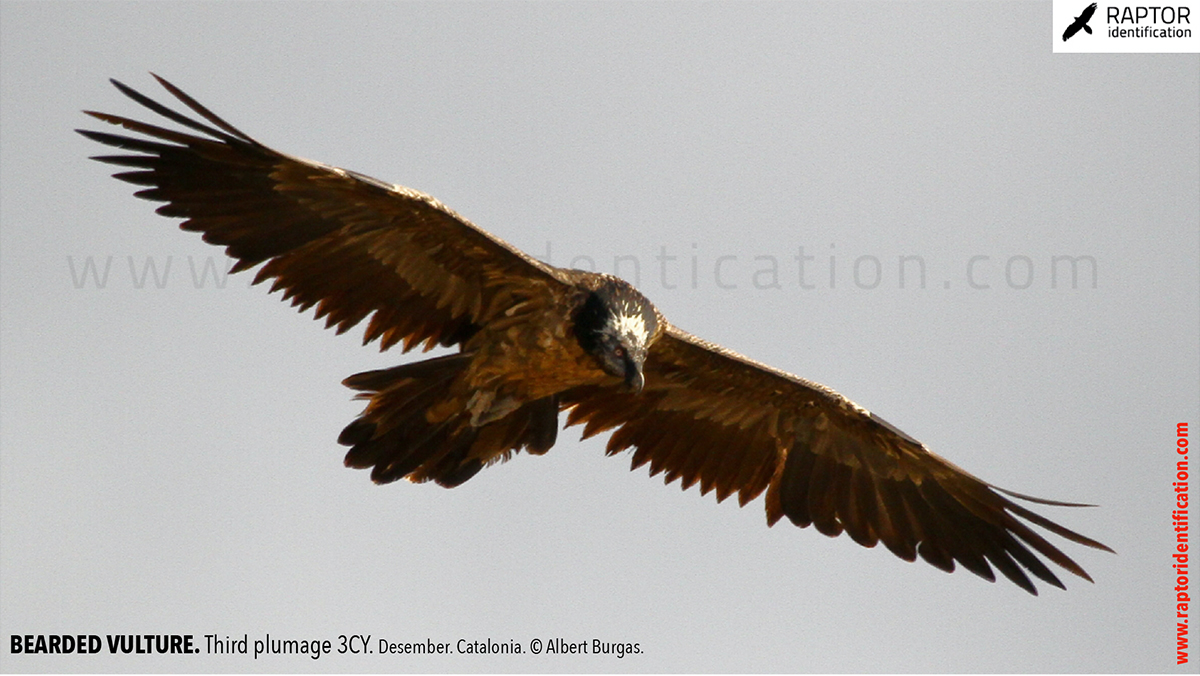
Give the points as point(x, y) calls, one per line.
point(634, 379)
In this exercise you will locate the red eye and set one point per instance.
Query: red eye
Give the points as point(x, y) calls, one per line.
point(620, 352)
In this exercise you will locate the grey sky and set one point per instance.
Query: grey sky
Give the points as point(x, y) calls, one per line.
point(167, 453)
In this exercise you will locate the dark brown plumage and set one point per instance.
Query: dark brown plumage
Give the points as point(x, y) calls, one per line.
point(534, 340)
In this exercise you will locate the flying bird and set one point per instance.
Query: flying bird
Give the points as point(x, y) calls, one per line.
point(534, 341)
point(1080, 21)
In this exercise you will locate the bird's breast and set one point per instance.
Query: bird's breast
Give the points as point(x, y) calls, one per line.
point(532, 358)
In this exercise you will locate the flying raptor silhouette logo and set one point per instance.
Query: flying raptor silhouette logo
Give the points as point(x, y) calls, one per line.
point(1080, 21)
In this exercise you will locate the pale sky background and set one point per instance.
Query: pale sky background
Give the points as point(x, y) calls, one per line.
point(168, 456)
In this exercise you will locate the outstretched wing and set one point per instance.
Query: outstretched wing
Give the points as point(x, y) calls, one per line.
point(347, 243)
point(711, 416)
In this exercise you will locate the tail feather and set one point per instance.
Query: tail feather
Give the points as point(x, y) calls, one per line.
point(455, 466)
point(543, 425)
point(375, 381)
point(397, 439)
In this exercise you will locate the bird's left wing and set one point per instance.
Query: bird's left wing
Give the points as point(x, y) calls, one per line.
point(712, 416)
point(347, 243)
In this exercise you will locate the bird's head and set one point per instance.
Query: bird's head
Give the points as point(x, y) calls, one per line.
point(616, 325)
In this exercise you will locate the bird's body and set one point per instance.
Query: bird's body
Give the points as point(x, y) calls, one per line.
point(503, 391)
point(534, 340)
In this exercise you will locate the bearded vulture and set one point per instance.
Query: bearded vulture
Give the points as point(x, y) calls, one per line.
point(535, 340)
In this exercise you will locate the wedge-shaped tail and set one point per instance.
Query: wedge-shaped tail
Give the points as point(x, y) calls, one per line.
point(415, 428)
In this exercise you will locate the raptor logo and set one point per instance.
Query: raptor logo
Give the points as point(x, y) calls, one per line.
point(1080, 21)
